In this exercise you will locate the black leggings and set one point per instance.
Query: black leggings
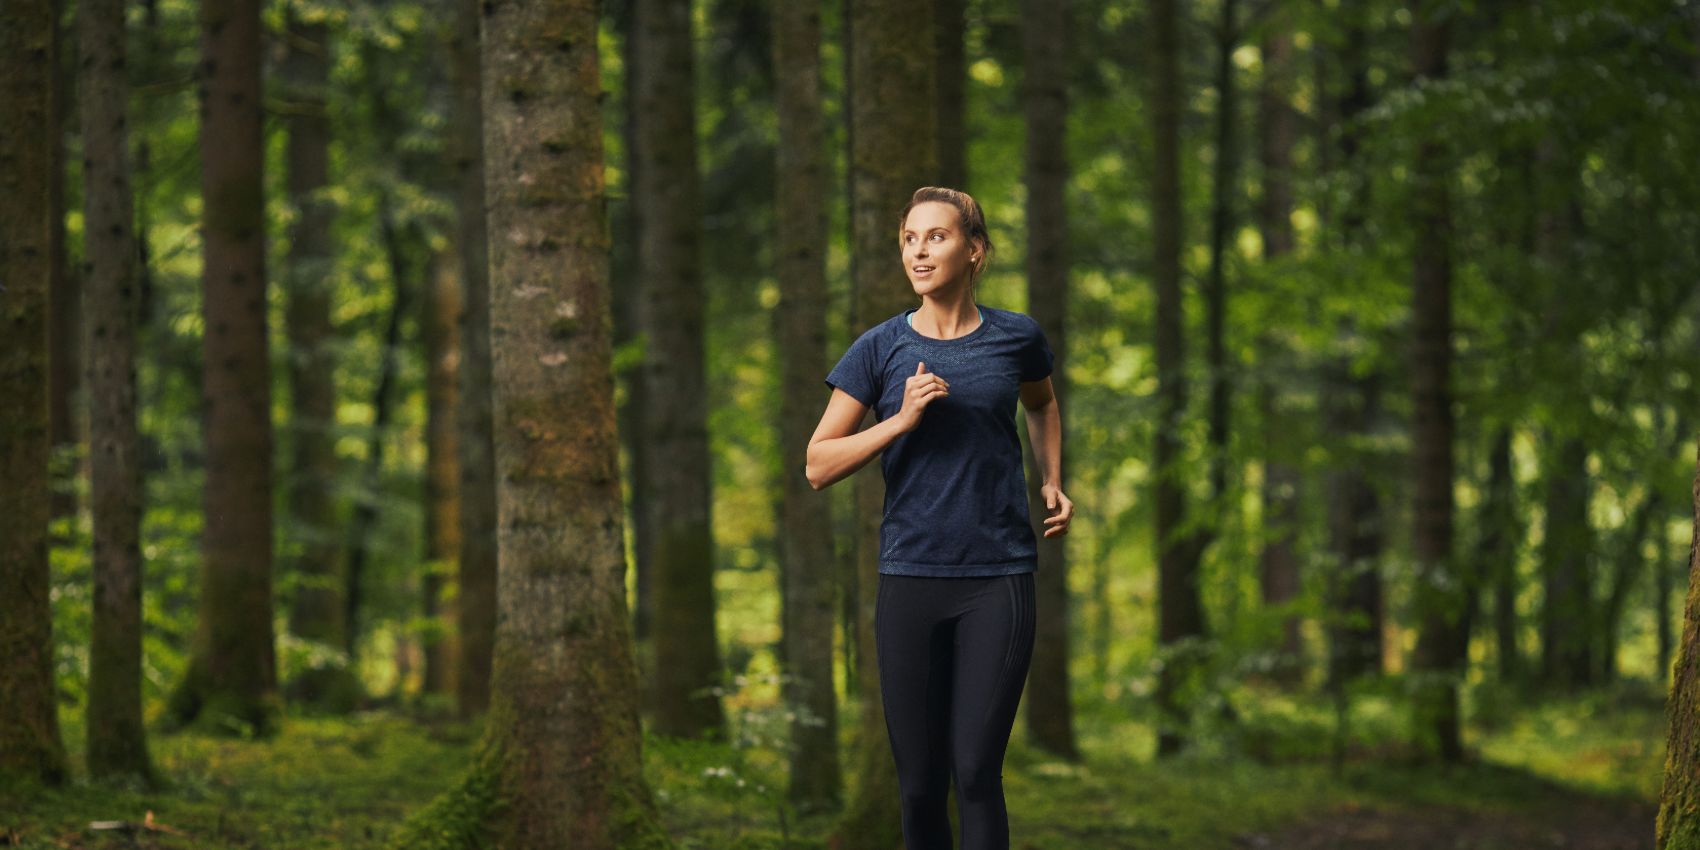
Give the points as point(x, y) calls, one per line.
point(953, 656)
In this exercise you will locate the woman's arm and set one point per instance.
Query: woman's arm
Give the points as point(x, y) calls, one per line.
point(837, 449)
point(1044, 431)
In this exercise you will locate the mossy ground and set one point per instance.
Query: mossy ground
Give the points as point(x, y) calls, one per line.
point(354, 781)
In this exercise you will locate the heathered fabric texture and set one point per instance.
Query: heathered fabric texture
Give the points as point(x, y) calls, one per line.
point(955, 490)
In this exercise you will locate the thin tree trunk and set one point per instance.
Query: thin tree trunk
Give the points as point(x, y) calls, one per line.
point(1678, 826)
point(687, 670)
point(65, 294)
point(1045, 28)
point(442, 476)
point(1223, 223)
point(30, 746)
point(950, 29)
point(1180, 611)
point(117, 740)
point(1442, 595)
point(315, 612)
point(810, 595)
point(1499, 550)
point(475, 607)
point(552, 771)
point(233, 670)
point(1566, 555)
point(892, 153)
point(1279, 560)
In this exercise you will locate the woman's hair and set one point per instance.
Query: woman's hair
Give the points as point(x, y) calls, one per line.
point(971, 220)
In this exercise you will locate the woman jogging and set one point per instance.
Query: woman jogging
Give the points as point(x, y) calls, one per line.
point(954, 619)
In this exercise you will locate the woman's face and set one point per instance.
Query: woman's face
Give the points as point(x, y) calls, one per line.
point(936, 253)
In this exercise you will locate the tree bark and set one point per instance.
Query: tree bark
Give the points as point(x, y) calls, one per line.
point(117, 740)
point(950, 29)
point(1045, 28)
point(552, 771)
point(1442, 593)
point(1180, 611)
point(232, 677)
point(810, 595)
point(315, 611)
point(30, 746)
point(1678, 825)
point(475, 607)
point(892, 153)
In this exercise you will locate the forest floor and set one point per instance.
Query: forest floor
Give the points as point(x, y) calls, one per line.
point(1575, 773)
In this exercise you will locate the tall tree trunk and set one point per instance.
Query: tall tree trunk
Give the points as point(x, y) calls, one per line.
point(1678, 826)
point(1044, 28)
point(950, 30)
point(475, 607)
point(628, 291)
point(396, 246)
point(117, 740)
point(1630, 560)
point(687, 653)
point(442, 476)
point(233, 670)
point(1180, 612)
point(1278, 562)
point(64, 294)
point(892, 153)
point(1500, 533)
point(1223, 224)
point(800, 327)
point(1442, 594)
point(29, 722)
point(553, 772)
point(1355, 515)
point(1566, 556)
point(315, 611)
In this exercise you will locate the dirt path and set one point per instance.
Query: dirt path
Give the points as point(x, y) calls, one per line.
point(1579, 823)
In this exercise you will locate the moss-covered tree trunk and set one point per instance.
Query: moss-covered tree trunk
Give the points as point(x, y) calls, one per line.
point(315, 608)
point(1044, 38)
point(682, 699)
point(117, 741)
point(891, 155)
point(1278, 561)
point(800, 328)
point(561, 764)
point(29, 723)
point(1180, 614)
point(475, 602)
point(1678, 825)
point(232, 678)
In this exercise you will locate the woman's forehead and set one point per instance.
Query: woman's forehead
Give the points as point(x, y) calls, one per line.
point(931, 214)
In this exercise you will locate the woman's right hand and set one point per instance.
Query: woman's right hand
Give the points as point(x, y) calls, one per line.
point(919, 390)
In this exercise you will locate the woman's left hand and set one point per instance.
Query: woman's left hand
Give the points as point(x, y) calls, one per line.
point(1060, 508)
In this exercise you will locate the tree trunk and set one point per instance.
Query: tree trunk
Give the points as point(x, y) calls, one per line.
point(1678, 826)
point(1278, 562)
point(1566, 554)
point(1442, 595)
point(892, 153)
point(1044, 28)
point(315, 611)
point(232, 673)
point(1223, 224)
point(800, 327)
point(475, 607)
point(950, 29)
point(442, 475)
point(687, 670)
point(117, 740)
point(552, 771)
point(1180, 612)
point(65, 359)
point(1500, 534)
point(30, 746)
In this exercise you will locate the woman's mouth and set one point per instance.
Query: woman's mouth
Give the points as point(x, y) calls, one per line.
point(921, 270)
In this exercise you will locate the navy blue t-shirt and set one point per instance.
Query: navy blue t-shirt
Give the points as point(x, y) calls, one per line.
point(955, 490)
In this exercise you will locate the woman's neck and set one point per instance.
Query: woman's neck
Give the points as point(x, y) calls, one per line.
point(947, 320)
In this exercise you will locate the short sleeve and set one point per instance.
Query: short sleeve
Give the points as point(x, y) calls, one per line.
point(857, 372)
point(1036, 357)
